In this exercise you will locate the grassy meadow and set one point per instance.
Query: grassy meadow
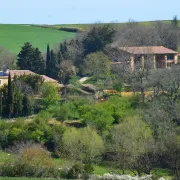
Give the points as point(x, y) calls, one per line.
point(98, 169)
point(12, 37)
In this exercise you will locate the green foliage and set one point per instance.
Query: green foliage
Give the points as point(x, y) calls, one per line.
point(60, 112)
point(97, 38)
point(52, 64)
point(75, 171)
point(50, 95)
point(97, 117)
point(82, 144)
point(30, 58)
point(32, 82)
point(119, 107)
point(97, 64)
point(129, 142)
point(103, 115)
point(32, 161)
point(27, 104)
point(10, 98)
point(17, 97)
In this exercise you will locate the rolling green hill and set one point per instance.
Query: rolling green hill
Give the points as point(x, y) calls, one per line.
point(84, 27)
point(12, 37)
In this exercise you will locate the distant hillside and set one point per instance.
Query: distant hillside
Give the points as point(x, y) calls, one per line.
point(85, 27)
point(12, 37)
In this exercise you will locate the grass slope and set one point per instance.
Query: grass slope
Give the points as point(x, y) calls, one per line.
point(85, 27)
point(12, 37)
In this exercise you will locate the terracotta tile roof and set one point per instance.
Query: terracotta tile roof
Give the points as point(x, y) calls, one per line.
point(148, 50)
point(25, 72)
point(20, 72)
point(48, 79)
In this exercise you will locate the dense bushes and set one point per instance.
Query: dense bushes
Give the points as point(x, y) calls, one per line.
point(31, 161)
point(82, 144)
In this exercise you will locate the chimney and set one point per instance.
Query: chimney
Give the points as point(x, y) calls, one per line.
point(5, 71)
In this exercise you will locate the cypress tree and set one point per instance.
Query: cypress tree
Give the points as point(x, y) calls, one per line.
point(48, 59)
point(54, 66)
point(1, 104)
point(25, 56)
point(18, 98)
point(10, 97)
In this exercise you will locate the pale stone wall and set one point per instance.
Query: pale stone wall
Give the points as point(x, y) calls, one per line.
point(175, 58)
point(3, 81)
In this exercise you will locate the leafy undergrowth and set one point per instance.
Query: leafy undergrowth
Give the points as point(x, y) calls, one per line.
point(4, 157)
point(98, 169)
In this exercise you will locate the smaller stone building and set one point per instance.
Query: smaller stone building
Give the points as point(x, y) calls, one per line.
point(5, 73)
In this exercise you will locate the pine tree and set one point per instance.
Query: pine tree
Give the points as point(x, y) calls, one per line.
point(10, 102)
point(30, 58)
point(25, 56)
point(38, 63)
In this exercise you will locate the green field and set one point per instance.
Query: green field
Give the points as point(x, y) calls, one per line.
point(12, 37)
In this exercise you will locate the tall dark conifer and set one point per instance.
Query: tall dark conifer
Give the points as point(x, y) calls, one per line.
point(10, 97)
point(48, 59)
point(54, 65)
point(30, 58)
point(1, 104)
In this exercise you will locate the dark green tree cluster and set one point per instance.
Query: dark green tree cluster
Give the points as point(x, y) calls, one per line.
point(97, 38)
point(16, 99)
point(30, 58)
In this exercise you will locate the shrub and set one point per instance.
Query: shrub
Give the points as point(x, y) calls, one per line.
point(50, 95)
point(60, 112)
point(32, 160)
point(97, 117)
point(75, 171)
point(82, 144)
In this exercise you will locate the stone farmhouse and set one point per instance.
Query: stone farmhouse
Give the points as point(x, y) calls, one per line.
point(158, 56)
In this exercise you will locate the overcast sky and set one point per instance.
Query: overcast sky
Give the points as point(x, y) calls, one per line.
point(84, 11)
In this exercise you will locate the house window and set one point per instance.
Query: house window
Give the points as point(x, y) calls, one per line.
point(170, 56)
